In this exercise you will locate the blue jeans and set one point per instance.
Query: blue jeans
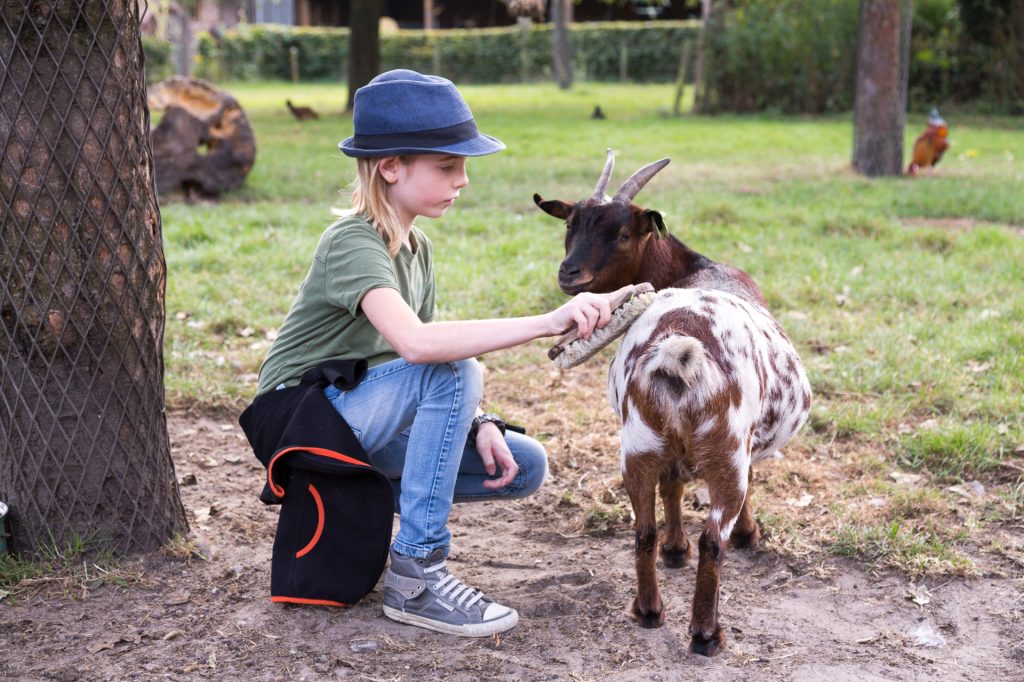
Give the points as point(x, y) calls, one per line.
point(413, 420)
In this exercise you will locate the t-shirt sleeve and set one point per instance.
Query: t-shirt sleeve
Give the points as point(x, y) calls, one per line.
point(356, 262)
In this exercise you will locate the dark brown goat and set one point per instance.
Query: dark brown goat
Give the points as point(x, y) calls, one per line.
point(705, 383)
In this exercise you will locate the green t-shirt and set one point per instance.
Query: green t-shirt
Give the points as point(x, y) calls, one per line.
point(326, 321)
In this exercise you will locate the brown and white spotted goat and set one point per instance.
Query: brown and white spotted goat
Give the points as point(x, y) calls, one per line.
point(705, 383)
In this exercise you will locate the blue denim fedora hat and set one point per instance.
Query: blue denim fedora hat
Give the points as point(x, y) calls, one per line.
point(405, 112)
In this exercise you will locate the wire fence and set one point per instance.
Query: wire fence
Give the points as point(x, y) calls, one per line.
point(84, 452)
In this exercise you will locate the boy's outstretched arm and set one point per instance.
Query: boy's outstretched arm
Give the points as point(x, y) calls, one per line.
point(419, 343)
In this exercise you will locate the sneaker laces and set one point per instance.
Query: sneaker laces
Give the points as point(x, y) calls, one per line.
point(453, 589)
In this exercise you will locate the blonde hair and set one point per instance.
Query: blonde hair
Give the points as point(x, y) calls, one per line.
point(370, 200)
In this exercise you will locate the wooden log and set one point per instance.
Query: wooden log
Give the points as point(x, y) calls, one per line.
point(204, 143)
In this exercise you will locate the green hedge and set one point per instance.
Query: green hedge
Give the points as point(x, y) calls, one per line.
point(763, 55)
point(648, 52)
point(158, 58)
point(800, 56)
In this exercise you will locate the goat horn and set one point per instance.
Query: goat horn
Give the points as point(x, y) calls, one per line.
point(630, 188)
point(606, 175)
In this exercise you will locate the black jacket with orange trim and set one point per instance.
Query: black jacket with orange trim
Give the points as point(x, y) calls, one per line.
point(334, 530)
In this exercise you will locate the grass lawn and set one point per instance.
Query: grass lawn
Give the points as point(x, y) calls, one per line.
point(903, 296)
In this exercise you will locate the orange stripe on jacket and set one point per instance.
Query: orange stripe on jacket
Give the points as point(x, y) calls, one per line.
point(278, 490)
point(319, 523)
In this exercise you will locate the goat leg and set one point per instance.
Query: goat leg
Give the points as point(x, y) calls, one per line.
point(647, 609)
point(747, 533)
point(676, 549)
point(706, 636)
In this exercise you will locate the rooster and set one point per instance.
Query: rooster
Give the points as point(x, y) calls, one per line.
point(930, 146)
point(301, 113)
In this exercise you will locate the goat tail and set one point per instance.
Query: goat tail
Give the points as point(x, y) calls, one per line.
point(676, 358)
point(675, 367)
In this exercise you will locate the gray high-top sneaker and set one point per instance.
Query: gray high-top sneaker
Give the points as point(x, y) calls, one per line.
point(422, 592)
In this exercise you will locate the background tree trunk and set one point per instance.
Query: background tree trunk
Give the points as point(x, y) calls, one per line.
point(363, 45)
point(560, 43)
point(881, 96)
point(83, 436)
point(698, 74)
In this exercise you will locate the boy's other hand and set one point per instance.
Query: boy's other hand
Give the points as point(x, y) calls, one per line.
point(494, 452)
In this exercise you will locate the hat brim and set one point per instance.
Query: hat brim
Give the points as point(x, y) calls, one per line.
point(481, 145)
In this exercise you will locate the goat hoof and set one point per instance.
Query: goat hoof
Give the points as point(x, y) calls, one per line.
point(648, 619)
point(707, 646)
point(746, 540)
point(675, 558)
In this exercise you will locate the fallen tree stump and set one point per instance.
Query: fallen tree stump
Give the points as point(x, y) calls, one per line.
point(204, 143)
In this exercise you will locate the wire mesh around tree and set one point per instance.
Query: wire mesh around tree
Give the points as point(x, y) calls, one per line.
point(83, 434)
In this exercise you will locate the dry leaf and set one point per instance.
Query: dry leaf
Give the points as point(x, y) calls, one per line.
point(107, 641)
point(972, 490)
point(804, 501)
point(919, 594)
point(177, 598)
point(978, 367)
point(233, 459)
point(172, 634)
point(904, 478)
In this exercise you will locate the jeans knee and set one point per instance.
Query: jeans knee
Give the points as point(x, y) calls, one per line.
point(472, 379)
point(459, 385)
point(533, 467)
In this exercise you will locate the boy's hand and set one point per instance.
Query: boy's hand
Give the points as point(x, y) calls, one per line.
point(495, 455)
point(586, 310)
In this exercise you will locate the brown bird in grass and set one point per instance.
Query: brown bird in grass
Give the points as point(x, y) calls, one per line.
point(301, 113)
point(931, 145)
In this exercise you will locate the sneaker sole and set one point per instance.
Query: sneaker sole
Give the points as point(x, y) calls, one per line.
point(487, 629)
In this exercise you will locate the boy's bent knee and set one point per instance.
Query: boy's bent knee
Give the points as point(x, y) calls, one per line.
point(533, 465)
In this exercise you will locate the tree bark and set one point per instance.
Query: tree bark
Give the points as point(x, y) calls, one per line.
point(1016, 30)
point(699, 77)
point(560, 44)
point(83, 435)
point(880, 100)
point(363, 45)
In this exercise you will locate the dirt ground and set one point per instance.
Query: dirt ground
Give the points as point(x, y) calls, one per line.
point(206, 614)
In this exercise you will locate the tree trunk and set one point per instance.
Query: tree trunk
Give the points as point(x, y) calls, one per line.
point(363, 45)
point(560, 45)
point(83, 435)
point(1016, 30)
point(698, 74)
point(880, 104)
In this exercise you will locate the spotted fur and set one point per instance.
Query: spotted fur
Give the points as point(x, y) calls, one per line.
point(704, 383)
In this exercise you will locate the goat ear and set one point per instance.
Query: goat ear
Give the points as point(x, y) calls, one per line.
point(555, 207)
point(656, 223)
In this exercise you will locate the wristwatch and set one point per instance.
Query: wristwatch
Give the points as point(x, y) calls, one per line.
point(483, 419)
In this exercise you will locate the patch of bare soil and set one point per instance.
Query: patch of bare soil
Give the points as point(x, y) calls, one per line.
point(567, 571)
point(957, 224)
